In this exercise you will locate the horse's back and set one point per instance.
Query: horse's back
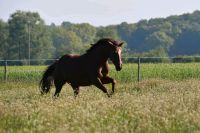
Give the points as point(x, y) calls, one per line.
point(69, 56)
point(70, 62)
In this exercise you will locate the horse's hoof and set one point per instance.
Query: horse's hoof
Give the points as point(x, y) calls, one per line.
point(109, 95)
point(112, 93)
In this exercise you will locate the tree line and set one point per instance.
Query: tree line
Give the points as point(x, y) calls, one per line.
point(171, 36)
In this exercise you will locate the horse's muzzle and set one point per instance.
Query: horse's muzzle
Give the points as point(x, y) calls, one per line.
point(118, 68)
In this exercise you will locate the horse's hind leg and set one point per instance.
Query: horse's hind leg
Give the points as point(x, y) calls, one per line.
point(76, 90)
point(58, 85)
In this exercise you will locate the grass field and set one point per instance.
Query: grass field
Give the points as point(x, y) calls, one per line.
point(167, 100)
point(171, 71)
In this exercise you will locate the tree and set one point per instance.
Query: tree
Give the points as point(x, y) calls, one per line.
point(84, 31)
point(125, 31)
point(156, 40)
point(3, 40)
point(66, 42)
point(107, 32)
point(187, 43)
point(174, 35)
point(24, 26)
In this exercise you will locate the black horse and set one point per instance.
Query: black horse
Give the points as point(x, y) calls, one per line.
point(90, 68)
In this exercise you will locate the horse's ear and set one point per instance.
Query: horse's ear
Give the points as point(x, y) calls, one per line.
point(112, 45)
point(120, 44)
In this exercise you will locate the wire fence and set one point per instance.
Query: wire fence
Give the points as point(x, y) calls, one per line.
point(135, 68)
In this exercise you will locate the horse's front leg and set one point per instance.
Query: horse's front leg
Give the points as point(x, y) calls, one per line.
point(107, 80)
point(97, 82)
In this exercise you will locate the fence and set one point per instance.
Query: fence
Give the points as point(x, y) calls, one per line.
point(33, 62)
point(5, 64)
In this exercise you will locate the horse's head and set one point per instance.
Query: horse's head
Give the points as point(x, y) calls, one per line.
point(115, 54)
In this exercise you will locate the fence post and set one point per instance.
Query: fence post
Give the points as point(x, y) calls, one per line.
point(5, 70)
point(138, 69)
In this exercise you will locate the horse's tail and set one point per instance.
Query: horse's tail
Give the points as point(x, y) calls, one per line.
point(47, 79)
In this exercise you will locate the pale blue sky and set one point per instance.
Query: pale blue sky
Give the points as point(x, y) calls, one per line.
point(99, 12)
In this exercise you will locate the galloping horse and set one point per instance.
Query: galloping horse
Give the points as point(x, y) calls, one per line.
point(90, 68)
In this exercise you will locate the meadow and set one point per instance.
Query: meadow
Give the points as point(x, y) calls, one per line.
point(170, 71)
point(167, 99)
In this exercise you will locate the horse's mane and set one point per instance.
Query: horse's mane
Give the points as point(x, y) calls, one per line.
point(103, 41)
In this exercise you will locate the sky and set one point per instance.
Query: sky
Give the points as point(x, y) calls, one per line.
point(98, 12)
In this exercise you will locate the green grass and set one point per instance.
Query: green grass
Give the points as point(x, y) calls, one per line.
point(23, 73)
point(171, 71)
point(167, 100)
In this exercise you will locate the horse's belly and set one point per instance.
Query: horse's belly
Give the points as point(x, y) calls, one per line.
point(84, 84)
point(75, 73)
point(80, 83)
point(79, 80)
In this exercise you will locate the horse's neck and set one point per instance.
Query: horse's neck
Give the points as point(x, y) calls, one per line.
point(98, 57)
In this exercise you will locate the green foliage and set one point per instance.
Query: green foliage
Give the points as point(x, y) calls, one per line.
point(25, 25)
point(3, 39)
point(65, 42)
point(156, 40)
point(177, 35)
point(172, 36)
point(107, 32)
point(84, 31)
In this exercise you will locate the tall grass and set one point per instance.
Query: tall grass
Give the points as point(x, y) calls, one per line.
point(152, 106)
point(166, 100)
